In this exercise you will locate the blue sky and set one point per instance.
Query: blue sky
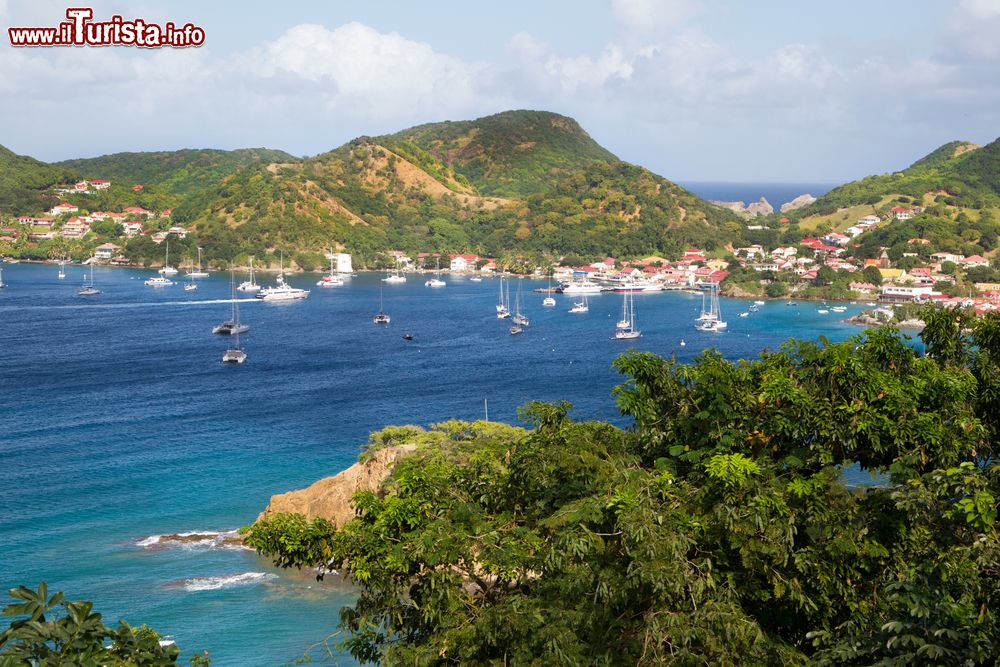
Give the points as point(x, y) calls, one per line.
point(696, 90)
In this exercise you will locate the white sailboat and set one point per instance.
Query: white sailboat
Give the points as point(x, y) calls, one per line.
point(235, 354)
point(1, 279)
point(381, 317)
point(502, 310)
point(549, 301)
point(711, 320)
point(232, 326)
point(200, 273)
point(581, 306)
point(249, 285)
point(282, 291)
point(167, 270)
point(395, 277)
point(191, 285)
point(332, 280)
point(627, 328)
point(519, 318)
point(436, 280)
point(88, 290)
point(62, 270)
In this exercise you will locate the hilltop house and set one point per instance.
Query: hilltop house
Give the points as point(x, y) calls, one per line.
point(901, 213)
point(59, 209)
point(973, 261)
point(869, 220)
point(100, 184)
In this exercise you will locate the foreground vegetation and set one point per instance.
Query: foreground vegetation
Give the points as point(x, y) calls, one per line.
point(50, 631)
point(717, 529)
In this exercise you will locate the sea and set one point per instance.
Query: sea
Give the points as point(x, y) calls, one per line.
point(120, 425)
point(775, 193)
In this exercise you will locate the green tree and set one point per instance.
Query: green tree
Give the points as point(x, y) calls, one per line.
point(872, 275)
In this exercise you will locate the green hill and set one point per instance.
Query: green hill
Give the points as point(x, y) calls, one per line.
point(510, 154)
point(26, 183)
point(962, 174)
point(521, 181)
point(181, 172)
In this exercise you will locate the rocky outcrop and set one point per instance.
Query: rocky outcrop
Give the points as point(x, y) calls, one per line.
point(760, 207)
point(330, 497)
point(798, 202)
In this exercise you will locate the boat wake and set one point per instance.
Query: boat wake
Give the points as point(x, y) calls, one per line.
point(196, 584)
point(194, 540)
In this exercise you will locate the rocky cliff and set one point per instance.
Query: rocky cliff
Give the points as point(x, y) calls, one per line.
point(330, 497)
point(760, 207)
point(798, 202)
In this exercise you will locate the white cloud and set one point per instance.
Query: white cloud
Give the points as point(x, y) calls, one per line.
point(973, 29)
point(356, 67)
point(651, 16)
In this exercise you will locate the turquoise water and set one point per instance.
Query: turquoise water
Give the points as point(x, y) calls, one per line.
point(118, 423)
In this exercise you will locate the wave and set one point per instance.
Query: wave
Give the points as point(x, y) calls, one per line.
point(196, 584)
point(195, 539)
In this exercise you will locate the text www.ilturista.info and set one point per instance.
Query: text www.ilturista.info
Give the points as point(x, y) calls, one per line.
point(79, 30)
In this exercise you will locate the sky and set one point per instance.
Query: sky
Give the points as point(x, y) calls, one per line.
point(695, 90)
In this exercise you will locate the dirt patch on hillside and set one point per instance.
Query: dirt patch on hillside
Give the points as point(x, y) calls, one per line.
point(964, 148)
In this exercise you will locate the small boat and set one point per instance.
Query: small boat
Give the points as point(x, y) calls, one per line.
point(407, 336)
point(503, 311)
point(62, 270)
point(1, 279)
point(519, 318)
point(753, 308)
point(168, 270)
point(249, 285)
point(839, 309)
point(381, 317)
point(549, 301)
point(790, 303)
point(395, 277)
point(158, 281)
point(87, 290)
point(683, 343)
point(758, 303)
point(200, 273)
point(476, 279)
point(436, 280)
point(282, 291)
point(515, 329)
point(235, 354)
point(823, 311)
point(332, 280)
point(626, 329)
point(581, 306)
point(745, 314)
point(192, 285)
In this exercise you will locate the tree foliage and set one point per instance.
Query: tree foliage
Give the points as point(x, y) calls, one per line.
point(49, 631)
point(718, 529)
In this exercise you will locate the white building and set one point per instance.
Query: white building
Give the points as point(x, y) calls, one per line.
point(344, 263)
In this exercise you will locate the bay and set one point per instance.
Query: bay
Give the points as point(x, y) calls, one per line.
point(118, 423)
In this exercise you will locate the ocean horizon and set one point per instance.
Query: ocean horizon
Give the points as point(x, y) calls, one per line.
point(749, 192)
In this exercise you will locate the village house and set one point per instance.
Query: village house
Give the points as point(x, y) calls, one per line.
point(869, 220)
point(862, 288)
point(35, 222)
point(692, 255)
point(836, 239)
point(165, 213)
point(460, 263)
point(947, 257)
point(137, 211)
point(750, 252)
point(785, 252)
point(59, 209)
point(131, 229)
point(41, 236)
point(901, 213)
point(100, 184)
point(81, 186)
point(894, 292)
point(765, 266)
point(105, 251)
point(178, 231)
point(75, 228)
point(158, 237)
point(973, 261)
point(854, 231)
point(919, 242)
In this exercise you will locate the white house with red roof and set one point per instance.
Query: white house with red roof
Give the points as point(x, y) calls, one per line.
point(973, 261)
point(869, 220)
point(137, 211)
point(901, 213)
point(131, 228)
point(63, 207)
point(836, 238)
point(459, 263)
point(105, 251)
point(165, 213)
point(100, 184)
point(693, 255)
